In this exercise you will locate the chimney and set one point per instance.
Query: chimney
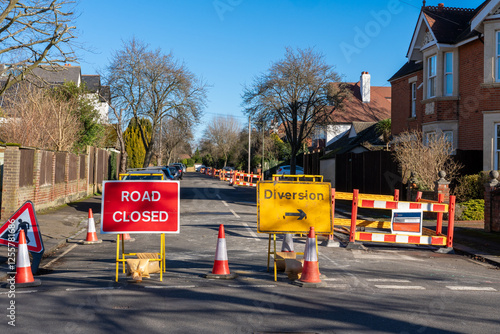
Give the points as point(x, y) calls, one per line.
point(364, 87)
point(440, 6)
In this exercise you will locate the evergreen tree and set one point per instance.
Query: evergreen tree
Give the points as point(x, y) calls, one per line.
point(133, 142)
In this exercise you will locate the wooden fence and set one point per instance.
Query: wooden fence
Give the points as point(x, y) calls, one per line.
point(50, 178)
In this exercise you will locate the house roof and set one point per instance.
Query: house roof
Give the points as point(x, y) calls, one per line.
point(450, 25)
point(367, 135)
point(355, 110)
point(59, 75)
point(92, 82)
point(408, 68)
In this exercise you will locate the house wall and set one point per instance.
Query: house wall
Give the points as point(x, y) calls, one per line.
point(401, 119)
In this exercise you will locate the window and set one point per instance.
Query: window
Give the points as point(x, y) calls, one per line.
point(448, 137)
point(414, 100)
point(497, 56)
point(448, 73)
point(430, 137)
point(431, 76)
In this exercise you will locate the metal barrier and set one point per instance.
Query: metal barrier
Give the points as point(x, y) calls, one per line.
point(298, 178)
point(245, 179)
point(427, 236)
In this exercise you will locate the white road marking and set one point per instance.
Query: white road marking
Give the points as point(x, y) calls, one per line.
point(387, 280)
point(471, 288)
point(401, 287)
point(234, 213)
point(218, 196)
point(338, 286)
point(60, 256)
point(225, 203)
point(330, 279)
point(252, 233)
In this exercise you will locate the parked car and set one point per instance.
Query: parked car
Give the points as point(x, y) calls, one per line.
point(199, 167)
point(179, 168)
point(143, 174)
point(175, 172)
point(228, 169)
point(165, 170)
point(285, 170)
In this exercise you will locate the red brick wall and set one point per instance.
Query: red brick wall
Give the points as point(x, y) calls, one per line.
point(470, 123)
point(44, 196)
point(401, 104)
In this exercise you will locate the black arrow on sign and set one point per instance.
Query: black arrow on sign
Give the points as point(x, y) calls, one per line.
point(301, 214)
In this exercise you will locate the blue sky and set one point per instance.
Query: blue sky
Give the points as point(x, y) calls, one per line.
point(229, 42)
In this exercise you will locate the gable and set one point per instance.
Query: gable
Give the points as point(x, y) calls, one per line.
point(488, 9)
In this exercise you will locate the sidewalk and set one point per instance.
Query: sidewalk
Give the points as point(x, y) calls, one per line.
point(58, 224)
point(70, 221)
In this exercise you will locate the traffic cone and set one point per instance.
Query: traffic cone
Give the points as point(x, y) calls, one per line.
point(24, 276)
point(91, 233)
point(126, 237)
point(221, 265)
point(287, 245)
point(310, 271)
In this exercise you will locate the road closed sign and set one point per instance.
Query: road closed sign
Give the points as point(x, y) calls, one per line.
point(140, 207)
point(294, 207)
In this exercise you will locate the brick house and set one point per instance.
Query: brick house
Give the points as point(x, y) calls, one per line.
point(450, 84)
point(365, 104)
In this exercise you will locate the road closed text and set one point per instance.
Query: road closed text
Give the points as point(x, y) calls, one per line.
point(140, 206)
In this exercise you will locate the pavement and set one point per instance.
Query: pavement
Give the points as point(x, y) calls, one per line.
point(68, 224)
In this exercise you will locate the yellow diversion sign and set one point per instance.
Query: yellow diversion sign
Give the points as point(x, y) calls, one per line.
point(293, 207)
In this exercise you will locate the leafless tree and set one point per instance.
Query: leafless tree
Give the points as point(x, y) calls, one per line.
point(33, 33)
point(223, 132)
point(174, 136)
point(301, 90)
point(155, 86)
point(40, 119)
point(425, 159)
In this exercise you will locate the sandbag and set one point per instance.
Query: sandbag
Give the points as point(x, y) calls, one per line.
point(138, 268)
point(294, 268)
point(280, 259)
point(154, 266)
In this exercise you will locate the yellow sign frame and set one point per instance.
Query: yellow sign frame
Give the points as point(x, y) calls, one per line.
point(294, 207)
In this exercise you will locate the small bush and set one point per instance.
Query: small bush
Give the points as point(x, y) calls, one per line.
point(470, 187)
point(472, 210)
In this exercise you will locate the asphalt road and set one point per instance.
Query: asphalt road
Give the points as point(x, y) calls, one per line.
point(380, 290)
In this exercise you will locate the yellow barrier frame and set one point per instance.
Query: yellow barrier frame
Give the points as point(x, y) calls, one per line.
point(123, 259)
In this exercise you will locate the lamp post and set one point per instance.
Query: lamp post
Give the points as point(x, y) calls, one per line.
point(249, 137)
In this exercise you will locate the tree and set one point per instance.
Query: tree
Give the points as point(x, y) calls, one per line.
point(133, 142)
point(33, 33)
point(40, 118)
point(92, 130)
point(301, 90)
point(223, 132)
point(174, 135)
point(155, 86)
point(426, 160)
point(383, 128)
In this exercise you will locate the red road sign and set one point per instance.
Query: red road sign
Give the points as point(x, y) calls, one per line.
point(140, 207)
point(23, 219)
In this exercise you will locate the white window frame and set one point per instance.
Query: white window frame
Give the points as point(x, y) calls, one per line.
point(431, 76)
point(496, 156)
point(413, 89)
point(497, 56)
point(448, 74)
point(430, 136)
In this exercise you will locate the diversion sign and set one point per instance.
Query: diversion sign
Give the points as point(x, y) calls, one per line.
point(140, 207)
point(294, 207)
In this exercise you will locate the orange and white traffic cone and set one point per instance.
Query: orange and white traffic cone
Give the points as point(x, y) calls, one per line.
point(287, 245)
point(310, 270)
point(24, 276)
point(221, 263)
point(91, 233)
point(126, 237)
